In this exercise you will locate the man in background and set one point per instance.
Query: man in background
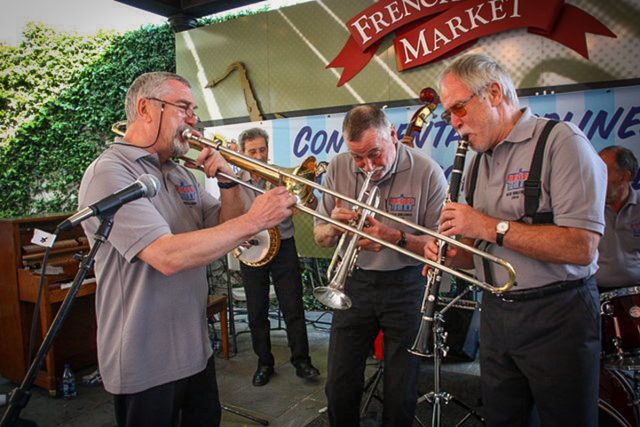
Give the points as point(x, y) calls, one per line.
point(619, 249)
point(284, 271)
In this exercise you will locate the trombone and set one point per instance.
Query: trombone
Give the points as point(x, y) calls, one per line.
point(301, 187)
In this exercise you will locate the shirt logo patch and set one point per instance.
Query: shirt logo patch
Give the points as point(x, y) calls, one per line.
point(403, 205)
point(515, 183)
point(187, 193)
point(635, 229)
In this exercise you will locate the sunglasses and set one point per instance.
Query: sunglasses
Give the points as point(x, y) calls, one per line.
point(459, 109)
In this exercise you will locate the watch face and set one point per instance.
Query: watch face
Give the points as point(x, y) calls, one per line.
point(502, 226)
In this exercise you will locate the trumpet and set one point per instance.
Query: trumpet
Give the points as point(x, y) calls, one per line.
point(333, 296)
point(301, 187)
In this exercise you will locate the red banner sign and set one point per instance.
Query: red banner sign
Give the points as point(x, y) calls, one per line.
point(429, 30)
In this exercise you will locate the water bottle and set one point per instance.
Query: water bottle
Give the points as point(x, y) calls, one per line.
point(68, 383)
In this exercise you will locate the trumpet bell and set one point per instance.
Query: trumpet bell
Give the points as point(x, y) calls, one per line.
point(332, 298)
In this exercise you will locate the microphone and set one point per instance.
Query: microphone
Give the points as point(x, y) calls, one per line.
point(146, 186)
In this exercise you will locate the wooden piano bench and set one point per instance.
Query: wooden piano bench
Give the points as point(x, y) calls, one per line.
point(218, 304)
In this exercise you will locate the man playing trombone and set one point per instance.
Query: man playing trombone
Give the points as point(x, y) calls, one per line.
point(539, 342)
point(154, 352)
point(385, 286)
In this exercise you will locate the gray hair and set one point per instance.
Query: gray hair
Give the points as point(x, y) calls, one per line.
point(362, 118)
point(478, 71)
point(625, 160)
point(148, 85)
point(252, 133)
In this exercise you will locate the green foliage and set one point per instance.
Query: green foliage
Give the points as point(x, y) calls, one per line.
point(58, 103)
point(313, 272)
point(59, 96)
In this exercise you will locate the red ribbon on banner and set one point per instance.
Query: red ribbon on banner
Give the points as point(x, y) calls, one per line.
point(441, 29)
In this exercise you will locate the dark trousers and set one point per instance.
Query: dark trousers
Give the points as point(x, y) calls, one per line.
point(543, 352)
point(191, 401)
point(285, 273)
point(387, 301)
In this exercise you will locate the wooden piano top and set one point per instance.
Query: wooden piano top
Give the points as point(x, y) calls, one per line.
point(16, 233)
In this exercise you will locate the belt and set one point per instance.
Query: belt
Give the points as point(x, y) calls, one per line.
point(550, 289)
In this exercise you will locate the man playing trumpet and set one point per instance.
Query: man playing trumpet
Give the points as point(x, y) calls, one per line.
point(386, 286)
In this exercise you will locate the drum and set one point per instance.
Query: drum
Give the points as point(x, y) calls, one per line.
point(616, 406)
point(620, 313)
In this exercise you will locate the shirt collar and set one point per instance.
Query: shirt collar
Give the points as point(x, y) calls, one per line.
point(633, 196)
point(524, 128)
point(133, 153)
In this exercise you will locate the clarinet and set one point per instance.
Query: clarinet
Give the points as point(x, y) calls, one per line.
point(434, 276)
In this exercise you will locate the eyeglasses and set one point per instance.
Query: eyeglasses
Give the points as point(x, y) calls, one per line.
point(186, 109)
point(459, 109)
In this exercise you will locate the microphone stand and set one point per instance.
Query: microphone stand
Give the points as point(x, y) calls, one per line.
point(19, 397)
point(440, 350)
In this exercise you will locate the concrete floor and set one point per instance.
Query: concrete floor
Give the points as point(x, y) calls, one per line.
point(286, 401)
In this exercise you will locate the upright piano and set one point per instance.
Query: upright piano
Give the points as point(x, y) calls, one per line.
point(20, 265)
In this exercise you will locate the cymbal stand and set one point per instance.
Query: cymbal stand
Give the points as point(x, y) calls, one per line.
point(437, 397)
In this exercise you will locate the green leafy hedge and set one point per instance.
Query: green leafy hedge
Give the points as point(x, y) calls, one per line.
point(59, 96)
point(58, 105)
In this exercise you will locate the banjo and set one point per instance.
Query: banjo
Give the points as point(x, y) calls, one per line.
point(260, 249)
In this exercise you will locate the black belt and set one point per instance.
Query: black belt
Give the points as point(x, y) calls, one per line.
point(550, 289)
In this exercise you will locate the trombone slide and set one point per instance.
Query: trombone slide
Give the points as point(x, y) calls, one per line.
point(300, 186)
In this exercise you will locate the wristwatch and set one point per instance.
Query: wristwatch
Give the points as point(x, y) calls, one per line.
point(403, 240)
point(501, 229)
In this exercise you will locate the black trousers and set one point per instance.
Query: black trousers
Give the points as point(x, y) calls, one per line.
point(387, 301)
point(284, 270)
point(545, 353)
point(191, 401)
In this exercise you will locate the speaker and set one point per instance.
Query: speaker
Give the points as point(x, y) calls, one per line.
point(462, 324)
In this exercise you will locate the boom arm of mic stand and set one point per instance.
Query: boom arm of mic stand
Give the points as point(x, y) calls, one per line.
point(20, 395)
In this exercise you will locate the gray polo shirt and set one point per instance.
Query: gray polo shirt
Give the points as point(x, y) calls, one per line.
point(151, 327)
point(619, 248)
point(414, 189)
point(248, 196)
point(573, 187)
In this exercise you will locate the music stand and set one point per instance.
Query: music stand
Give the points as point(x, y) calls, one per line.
point(436, 397)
